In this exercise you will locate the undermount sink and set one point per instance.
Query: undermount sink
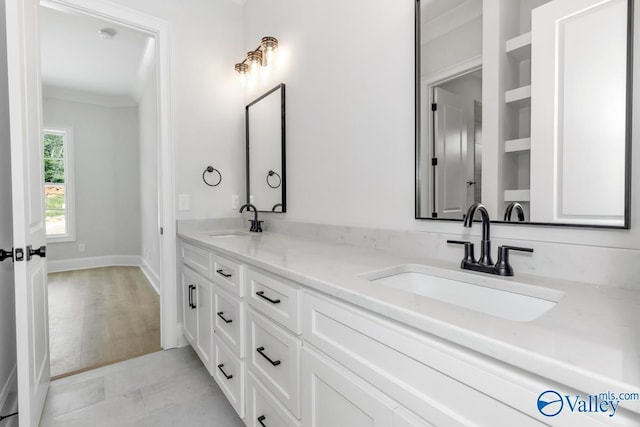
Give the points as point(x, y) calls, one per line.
point(504, 298)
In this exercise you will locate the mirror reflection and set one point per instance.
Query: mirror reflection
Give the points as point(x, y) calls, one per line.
point(265, 133)
point(525, 108)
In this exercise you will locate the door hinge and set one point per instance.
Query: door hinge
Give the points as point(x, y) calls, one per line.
point(434, 161)
point(161, 231)
point(434, 107)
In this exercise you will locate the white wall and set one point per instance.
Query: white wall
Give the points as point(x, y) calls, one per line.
point(206, 104)
point(107, 180)
point(148, 136)
point(7, 297)
point(349, 70)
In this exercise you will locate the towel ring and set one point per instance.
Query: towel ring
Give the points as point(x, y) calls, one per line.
point(272, 173)
point(211, 169)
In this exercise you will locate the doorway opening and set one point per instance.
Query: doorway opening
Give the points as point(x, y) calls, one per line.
point(102, 79)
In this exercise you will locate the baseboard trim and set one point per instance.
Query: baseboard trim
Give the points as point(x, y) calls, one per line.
point(93, 262)
point(9, 386)
point(182, 341)
point(151, 275)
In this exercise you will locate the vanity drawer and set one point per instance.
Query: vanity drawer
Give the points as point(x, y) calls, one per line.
point(263, 406)
point(274, 357)
point(275, 298)
point(197, 258)
point(228, 275)
point(440, 382)
point(229, 373)
point(229, 320)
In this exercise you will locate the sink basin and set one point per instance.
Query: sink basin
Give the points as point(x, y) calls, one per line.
point(498, 297)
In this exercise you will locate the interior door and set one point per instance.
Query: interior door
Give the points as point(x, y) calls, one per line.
point(578, 136)
point(30, 271)
point(451, 120)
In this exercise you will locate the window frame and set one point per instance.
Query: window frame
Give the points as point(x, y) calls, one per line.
point(69, 184)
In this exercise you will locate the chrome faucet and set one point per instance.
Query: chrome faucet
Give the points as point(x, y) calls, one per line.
point(509, 210)
point(485, 264)
point(256, 226)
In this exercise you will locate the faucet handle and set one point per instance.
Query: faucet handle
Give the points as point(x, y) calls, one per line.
point(503, 266)
point(469, 256)
point(258, 227)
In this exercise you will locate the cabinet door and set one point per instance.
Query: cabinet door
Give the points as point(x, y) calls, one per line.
point(203, 313)
point(189, 319)
point(333, 396)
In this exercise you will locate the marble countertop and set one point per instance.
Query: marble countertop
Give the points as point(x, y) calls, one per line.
point(589, 341)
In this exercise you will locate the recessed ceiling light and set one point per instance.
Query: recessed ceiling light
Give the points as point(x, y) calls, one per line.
point(107, 33)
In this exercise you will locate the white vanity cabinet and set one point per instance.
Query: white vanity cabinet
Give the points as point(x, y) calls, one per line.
point(196, 321)
point(287, 355)
point(273, 356)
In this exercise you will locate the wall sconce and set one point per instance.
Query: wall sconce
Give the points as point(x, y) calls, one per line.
point(260, 56)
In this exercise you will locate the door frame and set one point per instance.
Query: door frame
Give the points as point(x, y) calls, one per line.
point(423, 158)
point(160, 29)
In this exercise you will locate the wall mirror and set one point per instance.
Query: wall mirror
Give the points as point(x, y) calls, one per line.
point(265, 133)
point(524, 106)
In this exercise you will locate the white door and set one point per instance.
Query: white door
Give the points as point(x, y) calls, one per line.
point(28, 212)
point(451, 122)
point(578, 113)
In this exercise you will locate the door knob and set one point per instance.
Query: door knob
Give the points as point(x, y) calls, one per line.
point(41, 252)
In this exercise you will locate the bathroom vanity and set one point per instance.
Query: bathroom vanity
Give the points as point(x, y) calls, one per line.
point(299, 332)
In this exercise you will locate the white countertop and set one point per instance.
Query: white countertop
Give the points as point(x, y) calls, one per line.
point(589, 341)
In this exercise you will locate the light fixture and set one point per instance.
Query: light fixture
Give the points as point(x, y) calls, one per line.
point(260, 56)
point(107, 33)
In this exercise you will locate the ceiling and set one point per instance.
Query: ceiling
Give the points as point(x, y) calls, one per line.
point(75, 57)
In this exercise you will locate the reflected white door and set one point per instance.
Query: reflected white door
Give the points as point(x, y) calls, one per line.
point(578, 111)
point(450, 148)
point(32, 330)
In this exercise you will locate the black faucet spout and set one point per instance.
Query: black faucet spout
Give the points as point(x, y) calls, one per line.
point(485, 244)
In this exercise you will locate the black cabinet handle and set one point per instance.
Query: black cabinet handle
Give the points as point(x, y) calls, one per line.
point(220, 315)
point(222, 273)
point(261, 418)
point(272, 301)
point(227, 376)
point(261, 351)
point(191, 289)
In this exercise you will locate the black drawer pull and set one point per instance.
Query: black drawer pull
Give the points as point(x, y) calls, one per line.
point(272, 301)
point(222, 273)
point(261, 418)
point(261, 351)
point(227, 376)
point(220, 315)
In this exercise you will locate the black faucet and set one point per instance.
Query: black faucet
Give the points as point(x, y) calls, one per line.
point(485, 264)
point(509, 210)
point(256, 226)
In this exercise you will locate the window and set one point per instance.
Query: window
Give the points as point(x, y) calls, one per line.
point(58, 184)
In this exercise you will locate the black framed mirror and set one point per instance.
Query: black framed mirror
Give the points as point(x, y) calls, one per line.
point(525, 107)
point(265, 153)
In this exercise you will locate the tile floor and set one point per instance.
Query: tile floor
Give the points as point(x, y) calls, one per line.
point(166, 388)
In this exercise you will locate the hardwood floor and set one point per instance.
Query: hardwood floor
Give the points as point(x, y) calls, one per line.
point(100, 316)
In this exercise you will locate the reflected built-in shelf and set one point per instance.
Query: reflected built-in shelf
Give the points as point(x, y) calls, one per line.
point(517, 195)
point(519, 97)
point(515, 145)
point(519, 47)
